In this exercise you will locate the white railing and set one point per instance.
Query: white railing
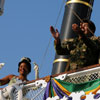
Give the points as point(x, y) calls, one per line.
point(35, 90)
point(84, 76)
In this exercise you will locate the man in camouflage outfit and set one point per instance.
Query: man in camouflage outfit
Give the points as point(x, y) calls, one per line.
point(82, 50)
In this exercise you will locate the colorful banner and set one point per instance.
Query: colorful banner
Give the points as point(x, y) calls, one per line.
point(63, 89)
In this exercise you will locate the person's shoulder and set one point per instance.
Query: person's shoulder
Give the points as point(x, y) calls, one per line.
point(11, 76)
point(94, 38)
point(98, 37)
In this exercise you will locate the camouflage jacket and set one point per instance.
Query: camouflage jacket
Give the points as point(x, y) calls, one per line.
point(82, 52)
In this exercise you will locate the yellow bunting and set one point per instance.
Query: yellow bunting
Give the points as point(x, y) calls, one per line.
point(54, 92)
point(98, 88)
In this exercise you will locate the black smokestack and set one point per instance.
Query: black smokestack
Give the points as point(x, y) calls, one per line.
point(75, 10)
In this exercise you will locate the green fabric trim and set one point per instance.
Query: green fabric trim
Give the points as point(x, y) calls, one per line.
point(52, 94)
point(87, 86)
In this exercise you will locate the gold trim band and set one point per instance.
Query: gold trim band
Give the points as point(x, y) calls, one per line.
point(69, 40)
point(60, 60)
point(79, 1)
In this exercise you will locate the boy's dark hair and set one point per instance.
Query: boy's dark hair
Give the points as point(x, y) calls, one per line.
point(27, 61)
point(91, 25)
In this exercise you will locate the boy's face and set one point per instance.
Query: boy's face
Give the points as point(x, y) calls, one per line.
point(85, 27)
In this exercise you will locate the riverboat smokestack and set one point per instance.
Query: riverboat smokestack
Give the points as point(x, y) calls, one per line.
point(74, 11)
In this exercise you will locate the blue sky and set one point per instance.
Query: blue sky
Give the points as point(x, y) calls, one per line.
point(24, 31)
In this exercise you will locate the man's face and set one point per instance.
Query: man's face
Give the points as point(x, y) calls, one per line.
point(85, 27)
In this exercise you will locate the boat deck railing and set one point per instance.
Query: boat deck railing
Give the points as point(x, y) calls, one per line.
point(88, 74)
point(34, 90)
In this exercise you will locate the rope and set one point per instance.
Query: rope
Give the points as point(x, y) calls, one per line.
point(45, 53)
